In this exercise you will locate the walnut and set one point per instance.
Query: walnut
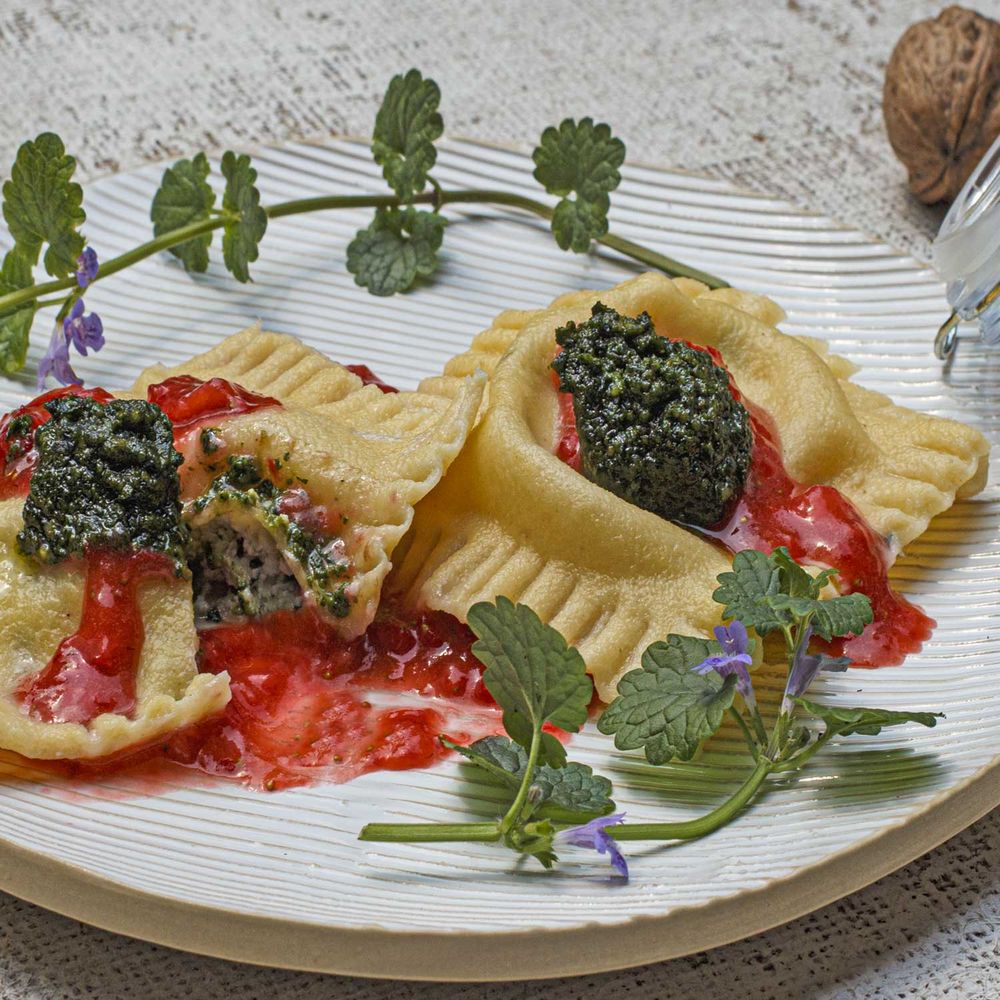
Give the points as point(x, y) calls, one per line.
point(942, 99)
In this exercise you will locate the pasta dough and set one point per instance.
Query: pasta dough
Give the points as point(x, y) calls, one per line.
point(510, 518)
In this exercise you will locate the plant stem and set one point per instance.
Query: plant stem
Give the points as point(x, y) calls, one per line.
point(513, 814)
point(689, 829)
point(794, 763)
point(430, 833)
point(747, 735)
point(331, 202)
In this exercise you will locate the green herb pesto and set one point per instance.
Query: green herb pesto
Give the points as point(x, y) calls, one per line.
point(106, 478)
point(244, 497)
point(657, 422)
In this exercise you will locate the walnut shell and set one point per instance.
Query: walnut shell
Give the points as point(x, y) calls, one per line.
point(941, 99)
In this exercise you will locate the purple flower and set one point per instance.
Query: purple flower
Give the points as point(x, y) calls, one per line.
point(735, 659)
point(56, 360)
point(83, 331)
point(86, 267)
point(595, 836)
point(805, 667)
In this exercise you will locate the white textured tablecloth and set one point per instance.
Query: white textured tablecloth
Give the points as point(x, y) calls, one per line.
point(780, 97)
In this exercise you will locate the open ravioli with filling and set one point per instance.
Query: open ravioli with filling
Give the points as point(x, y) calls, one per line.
point(264, 477)
point(614, 570)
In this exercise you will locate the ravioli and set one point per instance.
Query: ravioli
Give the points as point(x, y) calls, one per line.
point(40, 606)
point(511, 518)
point(363, 456)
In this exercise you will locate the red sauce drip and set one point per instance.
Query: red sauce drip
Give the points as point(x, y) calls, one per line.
point(190, 402)
point(818, 525)
point(303, 698)
point(18, 455)
point(93, 671)
point(370, 378)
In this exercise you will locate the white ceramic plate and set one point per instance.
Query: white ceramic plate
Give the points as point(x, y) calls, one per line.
point(280, 878)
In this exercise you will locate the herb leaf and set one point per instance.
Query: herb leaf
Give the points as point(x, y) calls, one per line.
point(241, 236)
point(406, 127)
point(769, 592)
point(15, 324)
point(846, 615)
point(567, 794)
point(185, 196)
point(581, 159)
point(865, 721)
point(41, 204)
point(664, 706)
point(399, 245)
point(747, 590)
point(531, 672)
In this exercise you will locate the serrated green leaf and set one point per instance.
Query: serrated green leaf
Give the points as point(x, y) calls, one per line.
point(406, 128)
point(398, 246)
point(865, 721)
point(185, 196)
point(240, 238)
point(579, 159)
point(569, 794)
point(15, 324)
point(846, 615)
point(666, 708)
point(42, 205)
point(796, 581)
point(746, 591)
point(531, 672)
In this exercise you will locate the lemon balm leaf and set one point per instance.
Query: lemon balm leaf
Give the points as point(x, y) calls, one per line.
point(533, 674)
point(185, 196)
point(245, 227)
point(665, 707)
point(406, 127)
point(579, 161)
point(15, 324)
point(399, 246)
point(43, 206)
point(569, 794)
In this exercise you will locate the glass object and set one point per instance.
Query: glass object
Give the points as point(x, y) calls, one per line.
point(967, 255)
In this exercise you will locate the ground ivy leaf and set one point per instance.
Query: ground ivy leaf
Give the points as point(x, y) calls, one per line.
point(567, 794)
point(406, 127)
point(41, 204)
point(185, 196)
point(846, 615)
point(240, 238)
point(398, 246)
point(15, 324)
point(579, 159)
point(531, 672)
point(865, 721)
point(747, 590)
point(666, 708)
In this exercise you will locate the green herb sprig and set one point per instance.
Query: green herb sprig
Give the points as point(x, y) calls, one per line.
point(676, 700)
point(578, 162)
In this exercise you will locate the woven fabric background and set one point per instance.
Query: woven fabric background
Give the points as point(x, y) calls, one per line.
point(783, 98)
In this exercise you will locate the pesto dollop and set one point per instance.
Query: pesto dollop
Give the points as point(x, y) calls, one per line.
point(106, 478)
point(658, 424)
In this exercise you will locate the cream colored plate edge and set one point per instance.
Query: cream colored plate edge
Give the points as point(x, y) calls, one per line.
point(280, 879)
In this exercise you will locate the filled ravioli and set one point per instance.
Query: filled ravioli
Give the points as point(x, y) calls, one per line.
point(257, 479)
point(700, 429)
